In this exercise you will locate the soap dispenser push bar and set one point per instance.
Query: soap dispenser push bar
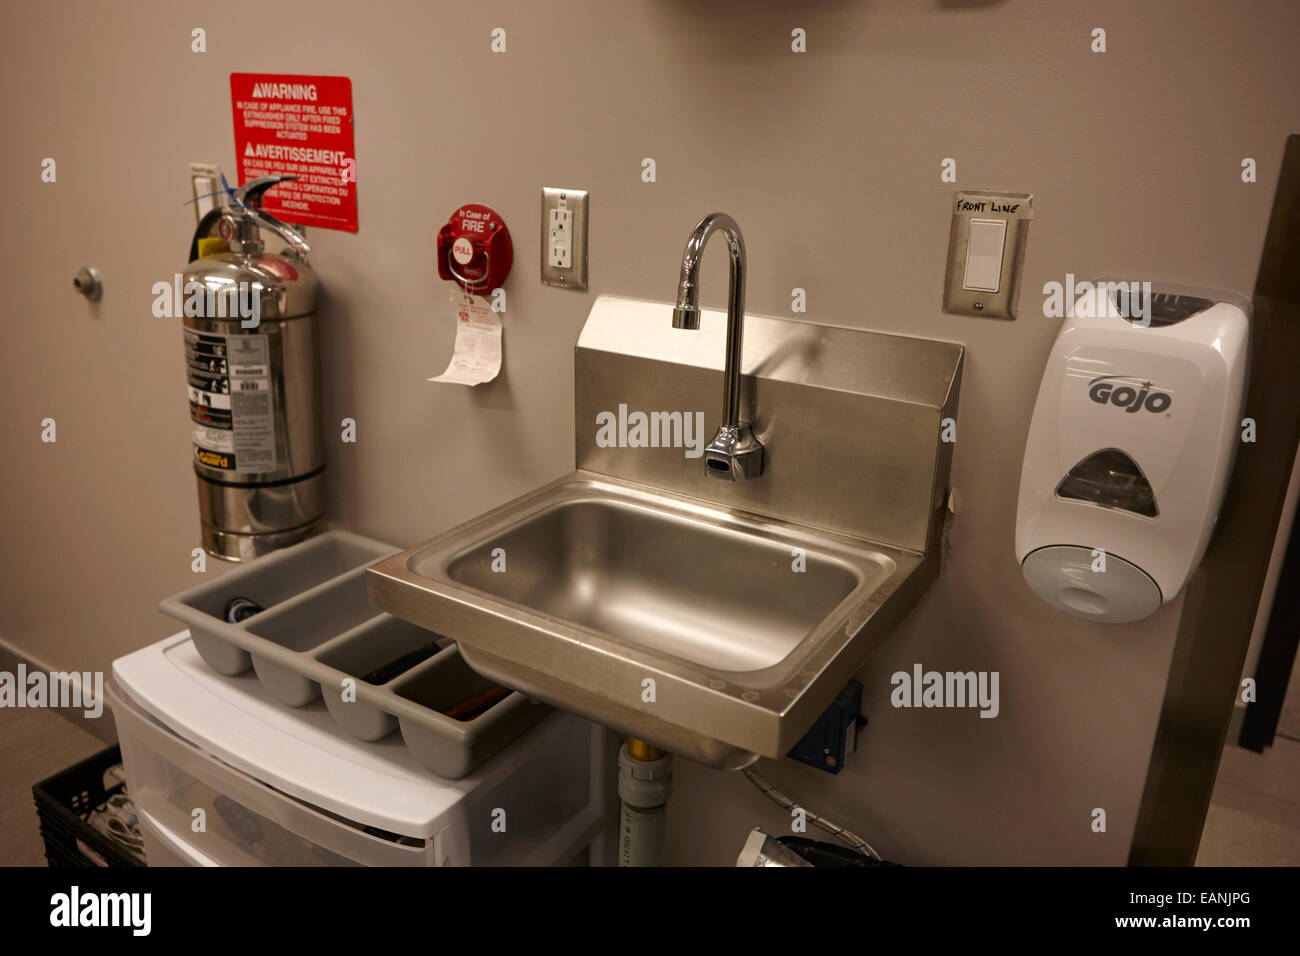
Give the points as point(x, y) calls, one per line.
point(734, 454)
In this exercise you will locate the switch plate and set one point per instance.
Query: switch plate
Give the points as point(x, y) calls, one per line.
point(986, 250)
point(564, 237)
point(205, 179)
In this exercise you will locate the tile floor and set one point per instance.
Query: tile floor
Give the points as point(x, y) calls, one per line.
point(1254, 817)
point(35, 744)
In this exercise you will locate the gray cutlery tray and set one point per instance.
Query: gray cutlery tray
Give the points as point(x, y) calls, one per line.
point(317, 631)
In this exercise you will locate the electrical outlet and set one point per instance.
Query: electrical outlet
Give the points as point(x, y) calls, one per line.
point(564, 238)
point(560, 247)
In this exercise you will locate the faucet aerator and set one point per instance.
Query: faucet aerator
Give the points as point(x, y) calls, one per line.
point(686, 317)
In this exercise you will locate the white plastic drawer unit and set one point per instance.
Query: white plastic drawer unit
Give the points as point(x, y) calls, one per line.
point(223, 775)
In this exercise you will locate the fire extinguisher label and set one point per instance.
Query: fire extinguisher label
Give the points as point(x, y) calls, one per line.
point(230, 401)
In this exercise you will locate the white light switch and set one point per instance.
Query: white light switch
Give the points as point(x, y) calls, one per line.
point(984, 255)
point(206, 180)
point(986, 252)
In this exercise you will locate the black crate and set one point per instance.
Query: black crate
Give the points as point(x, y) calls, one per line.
point(62, 799)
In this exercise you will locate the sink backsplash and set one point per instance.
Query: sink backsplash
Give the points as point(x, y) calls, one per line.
point(851, 419)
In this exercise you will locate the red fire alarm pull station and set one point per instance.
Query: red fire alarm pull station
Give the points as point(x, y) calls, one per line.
point(474, 249)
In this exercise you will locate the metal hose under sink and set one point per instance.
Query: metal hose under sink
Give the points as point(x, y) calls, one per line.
point(830, 826)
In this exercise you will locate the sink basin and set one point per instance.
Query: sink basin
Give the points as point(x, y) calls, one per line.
point(716, 596)
point(582, 591)
point(714, 619)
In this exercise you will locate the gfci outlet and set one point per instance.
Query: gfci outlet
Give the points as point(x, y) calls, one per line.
point(564, 238)
point(559, 248)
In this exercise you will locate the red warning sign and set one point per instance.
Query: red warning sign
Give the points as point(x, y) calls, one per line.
point(298, 126)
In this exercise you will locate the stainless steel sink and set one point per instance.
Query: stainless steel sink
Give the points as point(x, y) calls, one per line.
point(652, 573)
point(714, 619)
point(582, 590)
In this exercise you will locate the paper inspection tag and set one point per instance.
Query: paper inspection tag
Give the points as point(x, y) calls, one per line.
point(476, 356)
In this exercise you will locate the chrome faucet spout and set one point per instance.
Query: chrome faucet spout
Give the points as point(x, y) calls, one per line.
point(734, 454)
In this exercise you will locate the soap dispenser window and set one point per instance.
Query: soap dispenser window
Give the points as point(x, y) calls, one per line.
point(1111, 479)
point(1161, 308)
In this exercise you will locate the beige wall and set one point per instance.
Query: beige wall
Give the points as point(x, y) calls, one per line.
point(830, 162)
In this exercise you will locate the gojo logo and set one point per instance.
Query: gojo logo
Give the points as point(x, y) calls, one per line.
point(1129, 393)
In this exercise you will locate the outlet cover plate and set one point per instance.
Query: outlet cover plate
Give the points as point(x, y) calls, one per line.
point(577, 201)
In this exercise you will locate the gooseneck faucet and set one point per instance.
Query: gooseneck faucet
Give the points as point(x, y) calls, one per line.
point(734, 454)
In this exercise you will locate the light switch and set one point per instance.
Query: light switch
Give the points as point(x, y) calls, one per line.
point(984, 255)
point(986, 252)
point(206, 181)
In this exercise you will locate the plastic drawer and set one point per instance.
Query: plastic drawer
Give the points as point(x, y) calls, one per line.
point(548, 787)
point(246, 822)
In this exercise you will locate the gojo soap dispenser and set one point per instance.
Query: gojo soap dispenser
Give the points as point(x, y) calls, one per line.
point(1130, 447)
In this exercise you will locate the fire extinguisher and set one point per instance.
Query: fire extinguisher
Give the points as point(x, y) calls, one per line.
point(252, 357)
